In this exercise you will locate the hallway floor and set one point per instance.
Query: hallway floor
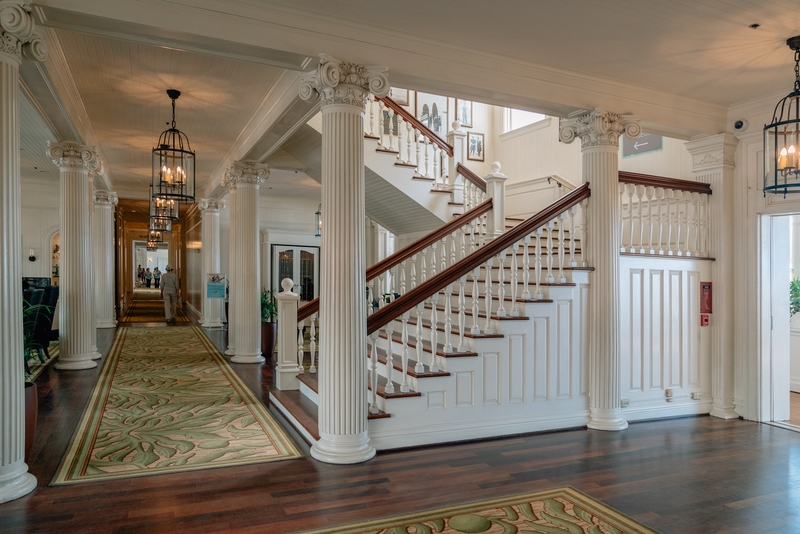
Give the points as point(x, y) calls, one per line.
point(687, 475)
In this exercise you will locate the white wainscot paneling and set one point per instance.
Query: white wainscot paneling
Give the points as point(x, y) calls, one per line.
point(491, 378)
point(662, 343)
point(437, 400)
point(564, 350)
point(541, 359)
point(465, 391)
point(516, 366)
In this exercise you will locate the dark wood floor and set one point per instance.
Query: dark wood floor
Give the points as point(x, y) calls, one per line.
point(691, 475)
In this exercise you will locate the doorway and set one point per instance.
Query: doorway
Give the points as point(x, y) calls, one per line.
point(148, 259)
point(299, 263)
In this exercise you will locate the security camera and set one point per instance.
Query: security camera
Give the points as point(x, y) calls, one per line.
point(740, 125)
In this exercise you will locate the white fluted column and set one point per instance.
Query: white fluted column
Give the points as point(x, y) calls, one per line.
point(713, 163)
point(17, 37)
point(212, 308)
point(599, 132)
point(243, 178)
point(343, 89)
point(76, 329)
point(231, 350)
point(103, 242)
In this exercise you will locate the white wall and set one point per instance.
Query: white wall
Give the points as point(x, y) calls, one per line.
point(40, 220)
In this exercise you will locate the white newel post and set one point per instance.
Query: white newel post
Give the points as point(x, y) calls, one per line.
point(212, 308)
point(103, 243)
point(77, 333)
point(713, 163)
point(288, 368)
point(496, 190)
point(17, 38)
point(457, 138)
point(243, 178)
point(343, 89)
point(599, 133)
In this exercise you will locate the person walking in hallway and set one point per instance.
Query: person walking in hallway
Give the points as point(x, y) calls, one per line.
point(169, 292)
point(148, 277)
point(156, 277)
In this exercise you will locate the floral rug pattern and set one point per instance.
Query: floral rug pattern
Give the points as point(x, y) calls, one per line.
point(167, 401)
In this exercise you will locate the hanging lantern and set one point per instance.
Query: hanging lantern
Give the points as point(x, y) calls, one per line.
point(163, 209)
point(173, 163)
point(318, 213)
point(782, 138)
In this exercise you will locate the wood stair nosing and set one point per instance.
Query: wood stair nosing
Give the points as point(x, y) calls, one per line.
point(367, 136)
point(412, 321)
point(397, 366)
point(482, 315)
point(423, 178)
point(312, 381)
point(446, 191)
point(406, 165)
point(426, 346)
point(387, 151)
point(397, 393)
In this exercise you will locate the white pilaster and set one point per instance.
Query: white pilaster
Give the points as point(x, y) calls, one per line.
point(103, 244)
point(713, 163)
point(231, 350)
point(77, 332)
point(287, 370)
point(212, 308)
point(243, 178)
point(343, 88)
point(17, 38)
point(599, 132)
point(496, 190)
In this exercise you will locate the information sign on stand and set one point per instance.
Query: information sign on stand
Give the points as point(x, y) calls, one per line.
point(215, 286)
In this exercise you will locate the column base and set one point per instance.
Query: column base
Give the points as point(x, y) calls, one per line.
point(212, 324)
point(96, 355)
point(723, 412)
point(248, 358)
point(343, 449)
point(230, 351)
point(106, 324)
point(78, 363)
point(17, 483)
point(606, 419)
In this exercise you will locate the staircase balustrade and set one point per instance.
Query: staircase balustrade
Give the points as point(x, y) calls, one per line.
point(663, 216)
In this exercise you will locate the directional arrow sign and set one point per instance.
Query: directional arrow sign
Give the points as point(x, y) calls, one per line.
point(640, 145)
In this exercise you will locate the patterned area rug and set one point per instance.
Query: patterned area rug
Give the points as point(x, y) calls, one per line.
point(167, 401)
point(563, 510)
point(38, 366)
point(150, 310)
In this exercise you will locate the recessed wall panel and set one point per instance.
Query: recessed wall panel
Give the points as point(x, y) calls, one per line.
point(564, 353)
point(541, 350)
point(491, 378)
point(516, 368)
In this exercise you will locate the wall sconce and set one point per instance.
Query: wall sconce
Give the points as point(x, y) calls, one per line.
point(31, 255)
point(318, 213)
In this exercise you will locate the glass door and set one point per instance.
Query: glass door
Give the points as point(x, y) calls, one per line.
point(301, 264)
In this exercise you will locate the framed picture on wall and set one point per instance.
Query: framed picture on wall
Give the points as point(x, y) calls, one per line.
point(399, 95)
point(431, 110)
point(475, 146)
point(464, 112)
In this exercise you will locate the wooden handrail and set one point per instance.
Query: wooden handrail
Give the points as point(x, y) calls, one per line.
point(479, 182)
point(666, 183)
point(312, 307)
point(408, 117)
point(408, 301)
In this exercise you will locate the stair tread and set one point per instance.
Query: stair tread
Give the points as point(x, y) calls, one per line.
point(303, 409)
point(411, 365)
point(407, 165)
point(312, 381)
point(483, 315)
point(426, 346)
point(397, 393)
point(387, 150)
point(412, 321)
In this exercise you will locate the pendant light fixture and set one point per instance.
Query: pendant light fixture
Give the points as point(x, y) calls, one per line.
point(782, 138)
point(163, 212)
point(173, 163)
point(318, 213)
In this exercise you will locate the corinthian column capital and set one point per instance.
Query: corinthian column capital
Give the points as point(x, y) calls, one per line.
point(599, 128)
point(210, 205)
point(340, 82)
point(18, 34)
point(69, 155)
point(105, 198)
point(245, 172)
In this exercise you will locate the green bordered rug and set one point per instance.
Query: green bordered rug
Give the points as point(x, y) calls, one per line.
point(167, 401)
point(150, 310)
point(558, 511)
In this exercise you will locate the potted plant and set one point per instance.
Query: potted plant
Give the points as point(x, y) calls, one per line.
point(30, 314)
point(269, 327)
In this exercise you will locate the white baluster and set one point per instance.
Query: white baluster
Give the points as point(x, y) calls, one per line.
point(514, 279)
point(434, 245)
point(381, 123)
point(448, 319)
point(417, 144)
point(381, 290)
point(462, 315)
point(390, 122)
point(695, 248)
point(373, 373)
point(686, 197)
point(623, 187)
point(389, 330)
point(371, 115)
point(584, 231)
point(650, 199)
point(501, 285)
point(526, 267)
point(537, 253)
point(404, 360)
point(661, 193)
point(413, 271)
point(704, 226)
point(403, 278)
point(488, 297)
point(419, 368)
point(427, 145)
point(443, 254)
point(423, 271)
point(475, 329)
point(561, 247)
point(453, 244)
point(550, 278)
point(636, 217)
point(437, 179)
point(641, 191)
point(400, 145)
point(434, 332)
point(670, 196)
point(572, 262)
point(300, 351)
point(312, 346)
point(409, 136)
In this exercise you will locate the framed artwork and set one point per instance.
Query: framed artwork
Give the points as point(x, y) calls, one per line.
point(464, 112)
point(399, 95)
point(475, 146)
point(432, 112)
